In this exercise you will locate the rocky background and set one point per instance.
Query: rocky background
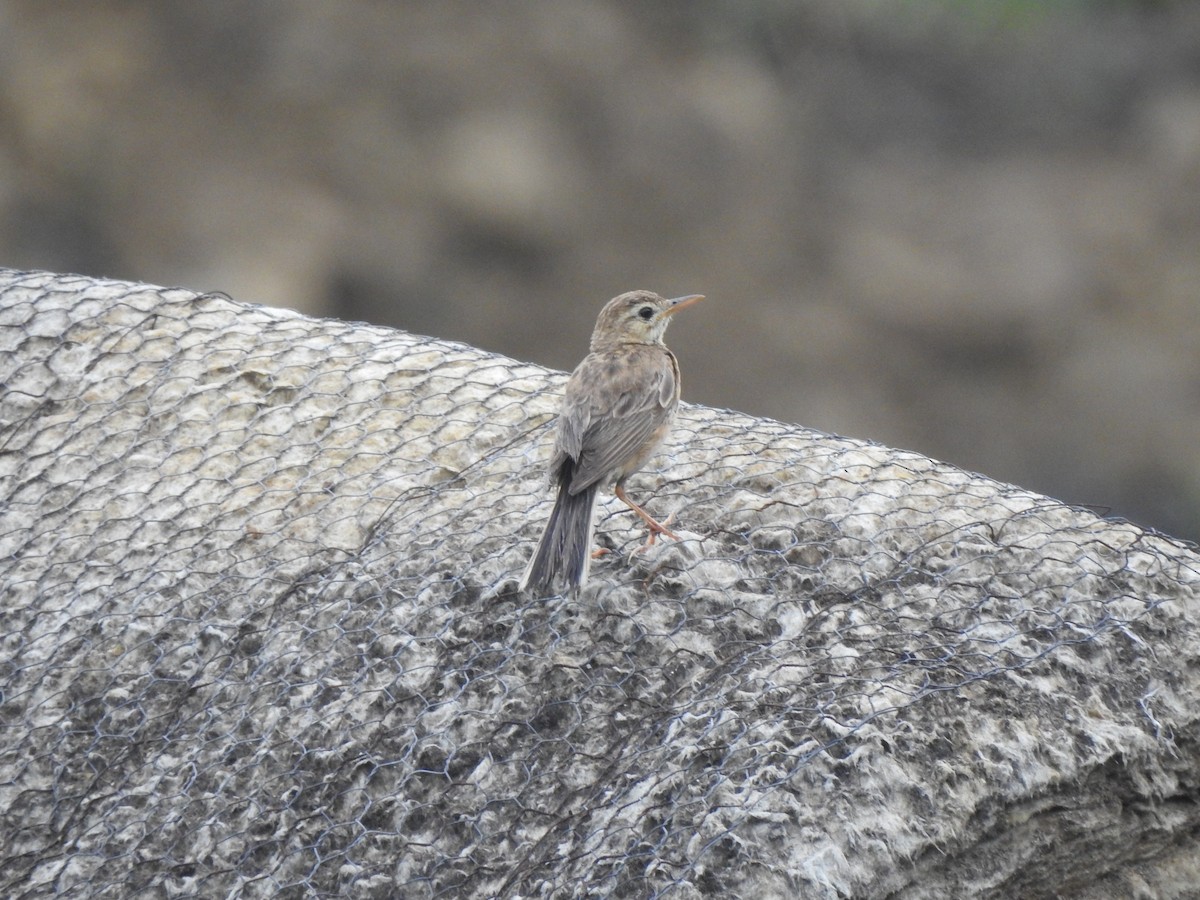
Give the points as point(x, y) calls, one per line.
point(971, 229)
point(261, 639)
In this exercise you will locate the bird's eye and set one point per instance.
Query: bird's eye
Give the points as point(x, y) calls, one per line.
point(646, 312)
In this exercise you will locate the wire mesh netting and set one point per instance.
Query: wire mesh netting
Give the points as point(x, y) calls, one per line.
point(261, 637)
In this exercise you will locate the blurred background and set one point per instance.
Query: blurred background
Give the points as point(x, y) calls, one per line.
point(965, 227)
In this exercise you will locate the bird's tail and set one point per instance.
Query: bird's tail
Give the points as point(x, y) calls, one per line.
point(565, 550)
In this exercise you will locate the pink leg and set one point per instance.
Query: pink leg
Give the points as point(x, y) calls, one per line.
point(656, 528)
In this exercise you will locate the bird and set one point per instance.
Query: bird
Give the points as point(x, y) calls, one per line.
point(616, 410)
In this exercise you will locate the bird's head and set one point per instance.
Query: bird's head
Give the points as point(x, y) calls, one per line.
point(638, 317)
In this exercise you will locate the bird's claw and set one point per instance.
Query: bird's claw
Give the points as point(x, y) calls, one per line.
point(657, 528)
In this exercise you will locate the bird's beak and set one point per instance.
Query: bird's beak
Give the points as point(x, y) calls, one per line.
point(681, 303)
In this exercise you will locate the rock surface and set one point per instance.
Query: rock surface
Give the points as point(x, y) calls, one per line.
point(260, 638)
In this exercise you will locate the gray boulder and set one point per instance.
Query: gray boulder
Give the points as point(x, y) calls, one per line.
point(261, 638)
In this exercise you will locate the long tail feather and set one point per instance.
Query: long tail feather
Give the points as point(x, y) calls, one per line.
point(565, 550)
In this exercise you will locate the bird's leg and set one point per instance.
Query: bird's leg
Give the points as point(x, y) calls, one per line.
point(654, 534)
point(656, 528)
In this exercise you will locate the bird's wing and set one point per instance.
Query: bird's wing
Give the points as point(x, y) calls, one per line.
point(612, 411)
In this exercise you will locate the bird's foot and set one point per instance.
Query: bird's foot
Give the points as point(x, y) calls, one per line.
point(657, 528)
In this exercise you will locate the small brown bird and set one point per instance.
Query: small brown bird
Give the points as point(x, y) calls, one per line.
point(616, 410)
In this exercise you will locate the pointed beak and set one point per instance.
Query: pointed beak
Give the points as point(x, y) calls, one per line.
point(681, 303)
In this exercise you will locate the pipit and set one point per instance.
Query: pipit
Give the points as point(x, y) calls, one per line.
point(617, 408)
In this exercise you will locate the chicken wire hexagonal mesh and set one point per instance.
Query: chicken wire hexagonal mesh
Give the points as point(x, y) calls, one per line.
point(261, 637)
